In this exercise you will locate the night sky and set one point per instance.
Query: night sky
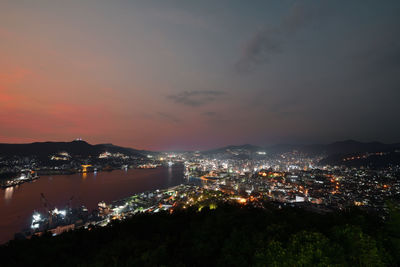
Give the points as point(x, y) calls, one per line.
point(199, 74)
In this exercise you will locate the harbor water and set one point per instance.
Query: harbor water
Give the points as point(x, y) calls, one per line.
point(18, 203)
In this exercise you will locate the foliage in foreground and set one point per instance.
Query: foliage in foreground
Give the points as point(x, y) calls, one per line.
point(226, 236)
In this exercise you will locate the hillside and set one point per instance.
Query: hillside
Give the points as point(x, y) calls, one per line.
point(227, 236)
point(342, 147)
point(74, 148)
point(372, 160)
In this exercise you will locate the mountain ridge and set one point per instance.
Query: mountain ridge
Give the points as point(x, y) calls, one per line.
point(83, 148)
point(76, 148)
point(337, 147)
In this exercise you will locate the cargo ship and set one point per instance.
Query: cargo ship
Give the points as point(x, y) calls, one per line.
point(55, 221)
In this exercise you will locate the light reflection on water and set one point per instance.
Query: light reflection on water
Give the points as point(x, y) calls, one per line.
point(18, 203)
point(8, 192)
point(169, 173)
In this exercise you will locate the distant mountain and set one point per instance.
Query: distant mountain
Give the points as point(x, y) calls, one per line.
point(74, 148)
point(351, 146)
point(342, 147)
point(372, 160)
point(84, 149)
point(334, 153)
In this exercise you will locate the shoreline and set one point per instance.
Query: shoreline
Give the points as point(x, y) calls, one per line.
point(3, 182)
point(138, 181)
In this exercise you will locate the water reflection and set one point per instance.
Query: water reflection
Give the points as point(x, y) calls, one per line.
point(18, 203)
point(169, 173)
point(8, 192)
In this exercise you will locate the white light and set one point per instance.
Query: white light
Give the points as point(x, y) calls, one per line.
point(36, 217)
point(63, 212)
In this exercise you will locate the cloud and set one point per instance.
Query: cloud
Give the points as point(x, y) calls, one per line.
point(270, 41)
point(196, 98)
point(168, 117)
point(259, 49)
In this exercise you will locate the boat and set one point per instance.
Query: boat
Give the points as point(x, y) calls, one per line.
point(56, 221)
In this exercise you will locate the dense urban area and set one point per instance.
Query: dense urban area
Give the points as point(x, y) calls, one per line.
point(246, 174)
point(245, 177)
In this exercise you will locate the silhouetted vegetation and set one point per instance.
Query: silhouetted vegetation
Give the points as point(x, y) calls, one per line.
point(226, 236)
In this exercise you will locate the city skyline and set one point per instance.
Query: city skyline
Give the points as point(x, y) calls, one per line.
point(278, 146)
point(198, 75)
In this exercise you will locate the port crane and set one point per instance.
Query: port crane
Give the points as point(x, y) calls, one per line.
point(69, 205)
point(47, 208)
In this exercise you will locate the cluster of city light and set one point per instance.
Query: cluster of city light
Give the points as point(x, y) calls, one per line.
point(60, 212)
point(290, 178)
point(107, 154)
point(36, 218)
